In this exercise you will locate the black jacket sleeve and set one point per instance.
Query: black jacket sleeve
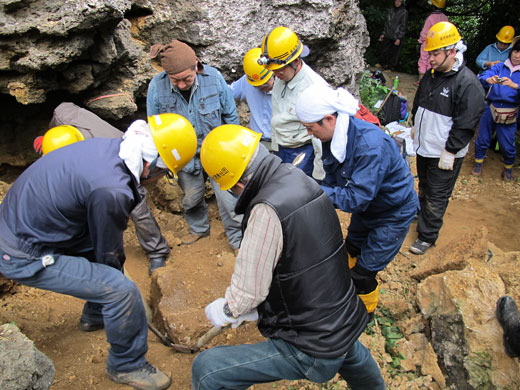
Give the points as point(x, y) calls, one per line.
point(470, 100)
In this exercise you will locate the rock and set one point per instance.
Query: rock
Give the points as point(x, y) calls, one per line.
point(22, 365)
point(178, 306)
point(455, 255)
point(55, 51)
point(465, 334)
point(166, 196)
point(418, 352)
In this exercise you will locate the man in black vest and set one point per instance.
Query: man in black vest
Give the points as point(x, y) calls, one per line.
point(290, 274)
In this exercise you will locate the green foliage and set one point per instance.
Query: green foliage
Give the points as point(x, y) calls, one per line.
point(371, 91)
point(478, 22)
point(390, 332)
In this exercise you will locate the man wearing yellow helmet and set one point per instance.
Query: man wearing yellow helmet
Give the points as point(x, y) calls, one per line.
point(86, 125)
point(498, 51)
point(290, 274)
point(500, 116)
point(446, 109)
point(62, 225)
point(255, 88)
point(199, 93)
point(282, 53)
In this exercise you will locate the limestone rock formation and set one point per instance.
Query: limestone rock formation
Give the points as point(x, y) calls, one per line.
point(94, 53)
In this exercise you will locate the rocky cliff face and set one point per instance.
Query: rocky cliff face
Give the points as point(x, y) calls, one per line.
point(94, 52)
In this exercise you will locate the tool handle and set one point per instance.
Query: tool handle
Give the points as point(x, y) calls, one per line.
point(209, 335)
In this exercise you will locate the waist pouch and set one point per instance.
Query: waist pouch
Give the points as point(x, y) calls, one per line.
point(504, 116)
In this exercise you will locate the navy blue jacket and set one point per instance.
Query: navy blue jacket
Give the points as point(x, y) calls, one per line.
point(374, 180)
point(72, 200)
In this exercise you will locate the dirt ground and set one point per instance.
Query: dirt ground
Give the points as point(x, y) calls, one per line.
point(50, 319)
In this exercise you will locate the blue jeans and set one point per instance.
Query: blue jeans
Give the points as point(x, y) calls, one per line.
point(239, 367)
point(103, 287)
point(196, 209)
point(288, 155)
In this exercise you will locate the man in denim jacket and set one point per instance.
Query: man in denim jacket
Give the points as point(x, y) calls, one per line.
point(199, 93)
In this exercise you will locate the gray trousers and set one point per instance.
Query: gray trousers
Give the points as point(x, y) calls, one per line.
point(147, 229)
point(196, 209)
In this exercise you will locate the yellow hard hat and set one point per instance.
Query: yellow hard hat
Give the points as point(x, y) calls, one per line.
point(279, 48)
point(174, 138)
point(506, 34)
point(440, 35)
point(256, 74)
point(226, 151)
point(438, 3)
point(60, 136)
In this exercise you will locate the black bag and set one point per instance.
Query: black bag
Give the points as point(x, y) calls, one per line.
point(391, 111)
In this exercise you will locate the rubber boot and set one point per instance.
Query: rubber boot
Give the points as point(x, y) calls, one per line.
point(509, 318)
point(156, 263)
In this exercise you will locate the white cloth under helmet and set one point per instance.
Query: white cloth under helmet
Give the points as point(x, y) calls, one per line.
point(319, 100)
point(138, 145)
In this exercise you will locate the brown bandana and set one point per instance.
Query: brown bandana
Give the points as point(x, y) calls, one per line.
point(176, 56)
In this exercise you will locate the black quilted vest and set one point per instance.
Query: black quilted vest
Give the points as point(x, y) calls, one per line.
point(312, 302)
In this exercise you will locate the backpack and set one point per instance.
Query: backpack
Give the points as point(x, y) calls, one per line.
point(391, 111)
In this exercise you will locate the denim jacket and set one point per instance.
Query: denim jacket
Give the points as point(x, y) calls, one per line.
point(211, 104)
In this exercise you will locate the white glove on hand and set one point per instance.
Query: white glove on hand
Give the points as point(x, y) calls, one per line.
point(251, 316)
point(215, 313)
point(446, 160)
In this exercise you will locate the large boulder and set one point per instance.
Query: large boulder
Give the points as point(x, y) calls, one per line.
point(22, 365)
point(459, 302)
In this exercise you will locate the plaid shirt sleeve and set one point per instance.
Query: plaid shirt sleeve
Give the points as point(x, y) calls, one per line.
point(259, 253)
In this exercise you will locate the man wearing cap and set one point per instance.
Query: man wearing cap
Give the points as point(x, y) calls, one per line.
point(84, 193)
point(199, 93)
point(255, 88)
point(290, 274)
point(365, 176)
point(282, 53)
point(446, 110)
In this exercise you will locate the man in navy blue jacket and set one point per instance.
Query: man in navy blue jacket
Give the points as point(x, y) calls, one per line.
point(365, 176)
point(61, 229)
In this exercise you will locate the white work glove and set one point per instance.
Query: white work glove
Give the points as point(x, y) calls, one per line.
point(215, 313)
point(446, 160)
point(250, 317)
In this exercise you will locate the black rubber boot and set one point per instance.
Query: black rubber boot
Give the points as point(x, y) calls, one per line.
point(509, 318)
point(156, 263)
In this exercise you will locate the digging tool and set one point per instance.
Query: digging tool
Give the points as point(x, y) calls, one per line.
point(166, 340)
point(163, 338)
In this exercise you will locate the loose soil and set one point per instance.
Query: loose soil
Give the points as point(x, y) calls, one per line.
point(50, 319)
